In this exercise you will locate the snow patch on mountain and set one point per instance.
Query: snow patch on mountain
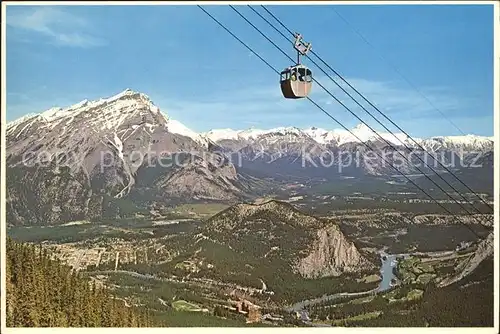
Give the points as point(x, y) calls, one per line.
point(113, 112)
point(251, 133)
point(223, 134)
point(361, 133)
point(116, 110)
point(12, 126)
point(177, 127)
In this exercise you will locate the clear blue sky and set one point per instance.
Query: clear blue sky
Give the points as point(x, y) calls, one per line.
point(199, 75)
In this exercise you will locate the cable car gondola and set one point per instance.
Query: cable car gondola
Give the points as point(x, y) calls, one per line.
point(296, 80)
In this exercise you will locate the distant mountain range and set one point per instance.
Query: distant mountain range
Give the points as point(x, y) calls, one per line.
point(361, 133)
point(80, 161)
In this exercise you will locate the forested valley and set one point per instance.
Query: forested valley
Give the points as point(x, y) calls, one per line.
point(43, 292)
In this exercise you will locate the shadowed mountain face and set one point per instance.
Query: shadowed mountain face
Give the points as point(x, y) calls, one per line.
point(270, 250)
point(111, 156)
point(67, 164)
point(317, 152)
point(276, 231)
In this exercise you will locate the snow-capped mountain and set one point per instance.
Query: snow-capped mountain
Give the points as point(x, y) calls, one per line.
point(456, 143)
point(177, 127)
point(77, 161)
point(124, 112)
point(68, 163)
point(360, 133)
point(250, 134)
point(115, 110)
point(278, 150)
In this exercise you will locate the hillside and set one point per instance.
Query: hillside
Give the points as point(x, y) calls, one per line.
point(96, 152)
point(276, 230)
point(42, 292)
point(122, 155)
point(272, 248)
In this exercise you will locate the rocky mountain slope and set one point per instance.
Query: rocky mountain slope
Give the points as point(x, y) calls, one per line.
point(361, 133)
point(104, 149)
point(484, 250)
point(270, 251)
point(324, 153)
point(276, 231)
point(98, 155)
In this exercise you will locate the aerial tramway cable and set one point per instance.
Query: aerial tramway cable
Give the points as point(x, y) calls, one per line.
point(350, 111)
point(394, 68)
point(342, 125)
point(378, 110)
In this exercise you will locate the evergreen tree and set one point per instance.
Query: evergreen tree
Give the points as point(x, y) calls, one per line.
point(42, 292)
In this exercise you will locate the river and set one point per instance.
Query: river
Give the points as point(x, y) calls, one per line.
point(388, 262)
point(386, 271)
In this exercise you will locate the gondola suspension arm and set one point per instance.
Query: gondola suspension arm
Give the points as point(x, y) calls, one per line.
point(302, 47)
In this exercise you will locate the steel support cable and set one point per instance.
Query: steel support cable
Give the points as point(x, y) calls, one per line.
point(338, 122)
point(397, 71)
point(354, 114)
point(409, 149)
point(379, 111)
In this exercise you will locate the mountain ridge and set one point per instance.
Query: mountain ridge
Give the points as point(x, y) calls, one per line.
point(318, 248)
point(117, 146)
point(108, 148)
point(319, 135)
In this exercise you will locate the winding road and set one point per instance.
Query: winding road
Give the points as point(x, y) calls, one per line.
point(385, 284)
point(385, 270)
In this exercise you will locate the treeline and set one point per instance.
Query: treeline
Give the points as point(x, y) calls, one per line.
point(42, 292)
point(466, 303)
